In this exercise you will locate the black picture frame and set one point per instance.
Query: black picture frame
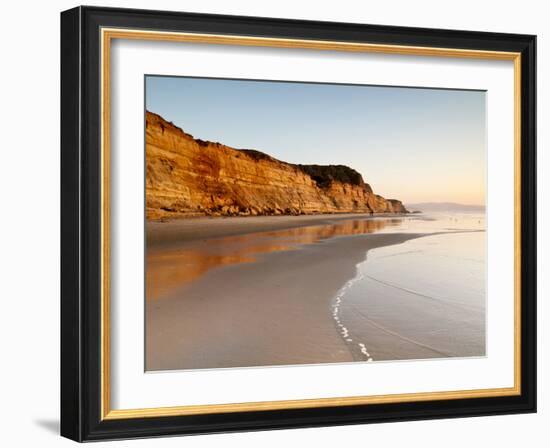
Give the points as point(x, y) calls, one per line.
point(81, 227)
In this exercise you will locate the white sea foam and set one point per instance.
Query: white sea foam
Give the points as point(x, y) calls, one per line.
point(344, 332)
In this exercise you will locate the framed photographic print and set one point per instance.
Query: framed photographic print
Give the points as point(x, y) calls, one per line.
point(273, 223)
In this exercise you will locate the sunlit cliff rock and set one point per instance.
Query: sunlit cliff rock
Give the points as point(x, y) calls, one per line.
point(187, 176)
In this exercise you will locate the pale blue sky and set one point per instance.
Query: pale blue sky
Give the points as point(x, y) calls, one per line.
point(416, 145)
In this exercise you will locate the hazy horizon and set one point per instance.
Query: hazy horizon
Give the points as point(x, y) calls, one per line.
point(414, 144)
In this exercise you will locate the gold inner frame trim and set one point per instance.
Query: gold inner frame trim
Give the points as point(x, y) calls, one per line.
point(107, 35)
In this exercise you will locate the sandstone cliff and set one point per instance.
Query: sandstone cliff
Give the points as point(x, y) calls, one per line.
point(187, 176)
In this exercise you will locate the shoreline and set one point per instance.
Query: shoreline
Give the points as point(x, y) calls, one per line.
point(433, 321)
point(267, 296)
point(273, 311)
point(190, 229)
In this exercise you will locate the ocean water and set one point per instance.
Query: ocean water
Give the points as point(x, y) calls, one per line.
point(421, 299)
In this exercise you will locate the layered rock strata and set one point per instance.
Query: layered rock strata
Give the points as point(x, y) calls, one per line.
point(186, 176)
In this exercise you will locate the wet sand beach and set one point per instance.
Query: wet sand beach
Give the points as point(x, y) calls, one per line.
point(241, 292)
point(191, 229)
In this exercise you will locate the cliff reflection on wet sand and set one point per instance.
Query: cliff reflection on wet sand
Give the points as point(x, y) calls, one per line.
point(169, 269)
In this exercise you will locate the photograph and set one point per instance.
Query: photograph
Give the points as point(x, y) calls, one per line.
point(302, 223)
point(288, 220)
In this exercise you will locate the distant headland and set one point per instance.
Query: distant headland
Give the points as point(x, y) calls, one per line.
point(446, 207)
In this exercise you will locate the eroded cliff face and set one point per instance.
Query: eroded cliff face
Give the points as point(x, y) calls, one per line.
point(187, 176)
